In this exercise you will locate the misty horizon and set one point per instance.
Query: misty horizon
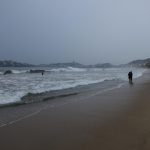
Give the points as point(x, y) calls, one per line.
point(74, 62)
point(88, 32)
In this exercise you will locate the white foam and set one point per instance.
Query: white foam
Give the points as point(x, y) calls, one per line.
point(76, 69)
point(19, 71)
point(68, 69)
point(15, 86)
point(7, 97)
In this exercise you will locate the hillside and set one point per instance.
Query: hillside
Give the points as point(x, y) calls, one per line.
point(69, 64)
point(9, 63)
point(140, 63)
point(135, 63)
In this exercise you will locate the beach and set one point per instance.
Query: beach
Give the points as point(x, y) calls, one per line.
point(116, 119)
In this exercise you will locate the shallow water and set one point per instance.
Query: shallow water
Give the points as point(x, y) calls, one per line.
point(14, 86)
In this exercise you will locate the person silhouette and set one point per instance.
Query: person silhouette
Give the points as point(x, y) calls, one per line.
point(42, 73)
point(130, 76)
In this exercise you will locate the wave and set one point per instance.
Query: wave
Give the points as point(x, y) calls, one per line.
point(14, 71)
point(37, 97)
point(59, 92)
point(68, 69)
point(13, 88)
point(19, 71)
point(11, 98)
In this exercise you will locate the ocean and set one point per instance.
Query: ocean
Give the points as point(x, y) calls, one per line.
point(21, 82)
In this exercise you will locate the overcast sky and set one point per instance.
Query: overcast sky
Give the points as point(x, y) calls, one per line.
point(87, 31)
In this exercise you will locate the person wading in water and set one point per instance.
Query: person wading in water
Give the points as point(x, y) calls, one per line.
point(130, 76)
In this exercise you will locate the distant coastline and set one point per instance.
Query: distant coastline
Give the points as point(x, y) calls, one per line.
point(134, 63)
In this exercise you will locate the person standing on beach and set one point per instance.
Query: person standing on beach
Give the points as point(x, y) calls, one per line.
point(130, 76)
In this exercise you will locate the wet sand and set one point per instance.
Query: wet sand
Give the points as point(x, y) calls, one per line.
point(118, 119)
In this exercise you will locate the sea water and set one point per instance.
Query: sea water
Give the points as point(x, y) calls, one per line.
point(21, 82)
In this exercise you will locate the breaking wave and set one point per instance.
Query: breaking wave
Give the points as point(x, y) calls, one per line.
point(14, 87)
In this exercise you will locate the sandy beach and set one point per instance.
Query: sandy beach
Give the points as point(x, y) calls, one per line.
point(117, 119)
point(74, 75)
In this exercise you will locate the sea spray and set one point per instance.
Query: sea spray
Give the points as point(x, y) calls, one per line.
point(21, 82)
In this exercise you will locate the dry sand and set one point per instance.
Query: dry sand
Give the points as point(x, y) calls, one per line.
point(114, 120)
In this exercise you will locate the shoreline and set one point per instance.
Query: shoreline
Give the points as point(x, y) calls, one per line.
point(54, 94)
point(22, 88)
point(115, 119)
point(52, 99)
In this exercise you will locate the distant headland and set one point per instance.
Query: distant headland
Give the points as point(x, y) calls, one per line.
point(135, 63)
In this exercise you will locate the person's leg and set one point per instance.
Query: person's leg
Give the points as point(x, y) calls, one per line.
point(130, 80)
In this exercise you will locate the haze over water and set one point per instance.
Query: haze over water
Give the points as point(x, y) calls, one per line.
point(89, 32)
